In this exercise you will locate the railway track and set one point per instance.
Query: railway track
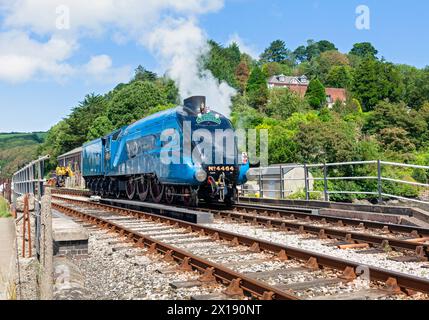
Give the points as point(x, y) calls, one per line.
point(251, 267)
point(355, 233)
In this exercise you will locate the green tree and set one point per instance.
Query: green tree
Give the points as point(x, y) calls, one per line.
point(57, 141)
point(243, 116)
point(223, 62)
point(364, 50)
point(325, 45)
point(374, 81)
point(257, 89)
point(282, 147)
point(339, 77)
point(141, 74)
point(100, 127)
point(316, 94)
point(133, 102)
point(82, 118)
point(312, 50)
point(283, 103)
point(396, 139)
point(321, 65)
point(397, 115)
point(319, 142)
point(170, 89)
point(416, 85)
point(300, 54)
point(276, 52)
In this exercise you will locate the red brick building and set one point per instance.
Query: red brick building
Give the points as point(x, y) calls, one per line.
point(300, 86)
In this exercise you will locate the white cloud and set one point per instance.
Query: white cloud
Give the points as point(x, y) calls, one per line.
point(169, 28)
point(92, 16)
point(99, 64)
point(22, 57)
point(100, 68)
point(244, 46)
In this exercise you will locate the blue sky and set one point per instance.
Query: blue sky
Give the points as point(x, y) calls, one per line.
point(398, 30)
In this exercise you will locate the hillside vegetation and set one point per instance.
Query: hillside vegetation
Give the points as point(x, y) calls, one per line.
point(17, 149)
point(385, 117)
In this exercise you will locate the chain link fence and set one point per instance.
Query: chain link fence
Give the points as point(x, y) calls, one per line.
point(30, 180)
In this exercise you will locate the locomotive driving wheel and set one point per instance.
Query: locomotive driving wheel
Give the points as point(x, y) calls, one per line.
point(186, 191)
point(142, 188)
point(156, 190)
point(170, 194)
point(130, 189)
point(190, 197)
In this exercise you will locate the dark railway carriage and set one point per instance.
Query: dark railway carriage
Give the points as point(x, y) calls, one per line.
point(132, 160)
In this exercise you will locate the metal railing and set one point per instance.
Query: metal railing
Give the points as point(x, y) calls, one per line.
point(30, 180)
point(280, 171)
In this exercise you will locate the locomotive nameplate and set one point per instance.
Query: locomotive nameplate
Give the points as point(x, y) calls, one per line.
point(208, 118)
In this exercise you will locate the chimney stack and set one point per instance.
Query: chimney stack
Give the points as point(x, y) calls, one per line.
point(197, 104)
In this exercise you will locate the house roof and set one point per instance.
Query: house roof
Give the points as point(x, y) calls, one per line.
point(299, 89)
point(336, 94)
point(71, 153)
point(287, 80)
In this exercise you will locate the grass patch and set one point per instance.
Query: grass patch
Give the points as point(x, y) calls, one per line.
point(4, 208)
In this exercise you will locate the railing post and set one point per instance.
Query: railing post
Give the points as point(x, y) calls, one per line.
point(379, 180)
point(282, 195)
point(261, 191)
point(325, 182)
point(306, 184)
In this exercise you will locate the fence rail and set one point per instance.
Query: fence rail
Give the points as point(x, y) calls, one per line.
point(278, 175)
point(30, 180)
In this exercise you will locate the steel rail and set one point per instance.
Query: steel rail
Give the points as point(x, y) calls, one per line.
point(305, 214)
point(404, 281)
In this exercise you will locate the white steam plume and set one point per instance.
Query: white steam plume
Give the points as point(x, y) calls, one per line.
point(179, 44)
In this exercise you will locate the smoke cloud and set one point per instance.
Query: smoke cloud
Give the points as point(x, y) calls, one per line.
point(179, 45)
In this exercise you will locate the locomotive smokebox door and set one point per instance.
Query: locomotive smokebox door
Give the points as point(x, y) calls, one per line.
point(196, 104)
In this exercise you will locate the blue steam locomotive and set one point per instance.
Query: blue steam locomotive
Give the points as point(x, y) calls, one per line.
point(159, 159)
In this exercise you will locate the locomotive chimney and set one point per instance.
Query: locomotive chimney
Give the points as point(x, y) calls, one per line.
point(196, 104)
